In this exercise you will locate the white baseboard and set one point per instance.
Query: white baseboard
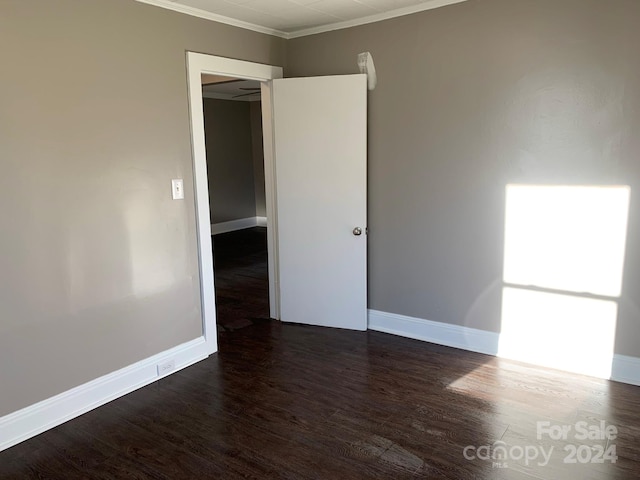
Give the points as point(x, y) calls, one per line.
point(35, 419)
point(240, 224)
point(456, 336)
point(624, 369)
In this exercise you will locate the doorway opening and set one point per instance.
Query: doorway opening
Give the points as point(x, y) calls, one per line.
point(197, 65)
point(316, 229)
point(235, 170)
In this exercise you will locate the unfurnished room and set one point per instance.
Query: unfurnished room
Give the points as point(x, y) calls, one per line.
point(320, 239)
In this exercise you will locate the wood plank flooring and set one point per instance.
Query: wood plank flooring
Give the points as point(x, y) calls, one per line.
point(288, 401)
point(241, 277)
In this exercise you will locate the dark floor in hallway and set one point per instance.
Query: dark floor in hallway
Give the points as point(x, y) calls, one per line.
point(241, 278)
point(297, 402)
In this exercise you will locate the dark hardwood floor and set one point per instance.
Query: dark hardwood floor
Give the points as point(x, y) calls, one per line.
point(294, 402)
point(288, 401)
point(241, 277)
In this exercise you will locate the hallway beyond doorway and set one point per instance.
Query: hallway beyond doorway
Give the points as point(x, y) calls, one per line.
point(241, 278)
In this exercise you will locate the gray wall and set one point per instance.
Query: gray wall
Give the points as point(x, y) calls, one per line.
point(258, 158)
point(472, 97)
point(99, 266)
point(230, 166)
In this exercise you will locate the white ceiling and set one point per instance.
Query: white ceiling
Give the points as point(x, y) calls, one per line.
point(226, 88)
point(295, 18)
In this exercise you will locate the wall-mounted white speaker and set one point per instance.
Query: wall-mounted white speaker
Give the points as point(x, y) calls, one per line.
point(365, 64)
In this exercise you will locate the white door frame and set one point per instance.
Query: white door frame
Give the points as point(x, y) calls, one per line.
point(197, 64)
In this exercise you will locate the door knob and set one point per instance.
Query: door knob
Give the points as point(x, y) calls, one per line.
point(357, 231)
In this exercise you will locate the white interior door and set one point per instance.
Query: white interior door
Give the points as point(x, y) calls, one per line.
point(320, 142)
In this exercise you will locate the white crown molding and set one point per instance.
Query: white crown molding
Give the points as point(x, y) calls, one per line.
point(378, 17)
point(196, 12)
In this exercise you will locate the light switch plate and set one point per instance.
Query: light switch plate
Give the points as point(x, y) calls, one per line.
point(177, 189)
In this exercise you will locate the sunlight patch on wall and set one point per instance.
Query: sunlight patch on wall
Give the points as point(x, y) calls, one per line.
point(567, 332)
point(570, 240)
